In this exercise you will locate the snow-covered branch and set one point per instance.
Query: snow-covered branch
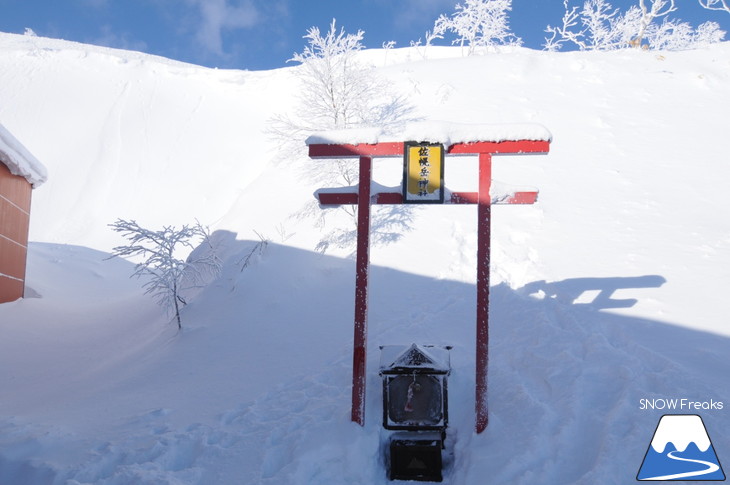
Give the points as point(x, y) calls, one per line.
point(721, 5)
point(565, 33)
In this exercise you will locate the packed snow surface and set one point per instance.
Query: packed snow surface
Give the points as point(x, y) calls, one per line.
point(607, 296)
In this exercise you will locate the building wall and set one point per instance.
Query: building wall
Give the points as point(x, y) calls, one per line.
point(15, 193)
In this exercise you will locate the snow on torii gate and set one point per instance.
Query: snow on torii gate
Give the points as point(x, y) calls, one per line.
point(456, 139)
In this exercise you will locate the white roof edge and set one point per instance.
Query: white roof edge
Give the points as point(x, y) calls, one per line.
point(19, 160)
point(444, 132)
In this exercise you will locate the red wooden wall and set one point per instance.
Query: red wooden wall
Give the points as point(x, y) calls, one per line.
point(15, 193)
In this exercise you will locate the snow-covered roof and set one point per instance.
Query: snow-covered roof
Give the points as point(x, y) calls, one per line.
point(395, 358)
point(19, 160)
point(444, 132)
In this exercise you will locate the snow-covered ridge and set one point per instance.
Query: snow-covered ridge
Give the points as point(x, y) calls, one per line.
point(445, 132)
point(19, 160)
point(39, 46)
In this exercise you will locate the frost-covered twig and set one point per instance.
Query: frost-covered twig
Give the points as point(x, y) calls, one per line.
point(721, 5)
point(258, 249)
point(565, 33)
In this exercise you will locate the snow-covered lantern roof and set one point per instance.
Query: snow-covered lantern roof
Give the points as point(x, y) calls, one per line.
point(19, 160)
point(414, 386)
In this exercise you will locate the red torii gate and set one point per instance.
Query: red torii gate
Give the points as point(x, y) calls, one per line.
point(363, 198)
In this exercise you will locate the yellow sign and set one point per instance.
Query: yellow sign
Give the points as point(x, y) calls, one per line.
point(423, 173)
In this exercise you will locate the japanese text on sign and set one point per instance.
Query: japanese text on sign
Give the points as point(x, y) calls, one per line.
point(423, 173)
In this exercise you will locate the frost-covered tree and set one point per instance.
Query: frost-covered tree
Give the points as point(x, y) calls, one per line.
point(672, 35)
point(168, 275)
point(649, 13)
point(478, 23)
point(598, 26)
point(722, 5)
point(337, 91)
point(708, 33)
point(677, 35)
point(334, 84)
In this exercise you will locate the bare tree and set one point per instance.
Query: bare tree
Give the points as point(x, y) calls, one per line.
point(168, 275)
point(478, 23)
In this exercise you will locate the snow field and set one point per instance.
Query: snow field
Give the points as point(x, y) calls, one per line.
point(603, 293)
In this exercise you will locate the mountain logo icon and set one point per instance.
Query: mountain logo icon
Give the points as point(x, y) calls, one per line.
point(680, 450)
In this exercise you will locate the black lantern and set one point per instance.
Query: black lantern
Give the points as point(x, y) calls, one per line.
point(414, 387)
point(415, 401)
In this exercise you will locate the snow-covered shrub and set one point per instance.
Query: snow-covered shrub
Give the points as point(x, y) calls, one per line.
point(478, 23)
point(168, 274)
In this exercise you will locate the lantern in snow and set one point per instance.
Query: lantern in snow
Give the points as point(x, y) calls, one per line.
point(414, 387)
point(415, 401)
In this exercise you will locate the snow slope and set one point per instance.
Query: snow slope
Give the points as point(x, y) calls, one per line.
point(606, 292)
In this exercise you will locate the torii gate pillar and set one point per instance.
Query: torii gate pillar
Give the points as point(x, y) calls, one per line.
point(359, 355)
point(364, 198)
point(484, 229)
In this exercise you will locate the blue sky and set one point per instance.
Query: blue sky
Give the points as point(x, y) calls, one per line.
point(263, 34)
